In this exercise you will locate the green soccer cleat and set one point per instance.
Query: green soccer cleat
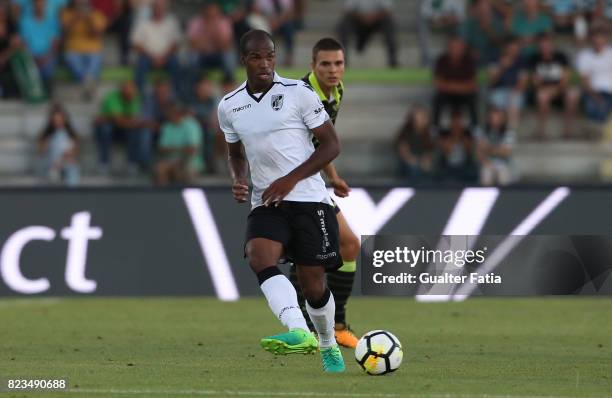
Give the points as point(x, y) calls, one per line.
point(332, 360)
point(296, 341)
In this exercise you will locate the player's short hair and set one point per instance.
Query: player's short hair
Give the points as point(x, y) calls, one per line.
point(326, 44)
point(255, 34)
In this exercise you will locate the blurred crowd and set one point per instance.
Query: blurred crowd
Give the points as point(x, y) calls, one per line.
point(165, 120)
point(501, 57)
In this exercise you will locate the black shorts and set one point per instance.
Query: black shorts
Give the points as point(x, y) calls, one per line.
point(308, 231)
point(335, 206)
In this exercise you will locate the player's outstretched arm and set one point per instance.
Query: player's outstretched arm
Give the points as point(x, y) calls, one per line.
point(238, 166)
point(328, 150)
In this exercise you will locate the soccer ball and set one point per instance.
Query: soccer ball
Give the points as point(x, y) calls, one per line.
point(379, 352)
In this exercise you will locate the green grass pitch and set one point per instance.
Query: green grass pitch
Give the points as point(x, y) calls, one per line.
point(183, 347)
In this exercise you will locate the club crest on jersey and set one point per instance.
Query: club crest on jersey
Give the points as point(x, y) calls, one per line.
point(277, 101)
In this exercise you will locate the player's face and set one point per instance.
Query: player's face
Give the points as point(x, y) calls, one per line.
point(328, 67)
point(260, 61)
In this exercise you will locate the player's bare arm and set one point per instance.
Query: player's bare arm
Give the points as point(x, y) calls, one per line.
point(327, 150)
point(238, 166)
point(341, 188)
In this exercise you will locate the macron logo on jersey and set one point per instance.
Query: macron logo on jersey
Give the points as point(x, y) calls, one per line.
point(241, 108)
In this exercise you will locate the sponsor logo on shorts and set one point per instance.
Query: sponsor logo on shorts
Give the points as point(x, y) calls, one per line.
point(326, 244)
point(326, 256)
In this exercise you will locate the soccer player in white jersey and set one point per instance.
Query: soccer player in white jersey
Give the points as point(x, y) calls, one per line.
point(269, 123)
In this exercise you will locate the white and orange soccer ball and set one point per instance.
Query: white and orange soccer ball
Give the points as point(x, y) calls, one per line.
point(379, 352)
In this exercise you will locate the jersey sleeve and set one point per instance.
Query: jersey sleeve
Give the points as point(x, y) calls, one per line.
point(230, 135)
point(311, 108)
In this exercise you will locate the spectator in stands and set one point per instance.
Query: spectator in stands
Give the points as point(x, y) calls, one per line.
point(484, 31)
point(204, 108)
point(443, 16)
point(528, 22)
point(84, 28)
point(236, 11)
point(455, 81)
point(551, 78)
point(155, 106)
point(564, 14)
point(363, 18)
point(602, 14)
point(455, 162)
point(41, 35)
point(120, 120)
point(9, 43)
point(415, 146)
point(58, 149)
point(118, 15)
point(180, 152)
point(211, 41)
point(280, 17)
point(156, 41)
point(495, 145)
point(508, 80)
point(27, 8)
point(595, 65)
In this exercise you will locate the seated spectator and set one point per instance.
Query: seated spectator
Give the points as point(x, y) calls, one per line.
point(443, 16)
point(484, 31)
point(41, 36)
point(415, 146)
point(455, 161)
point(58, 149)
point(564, 14)
point(211, 41)
point(120, 120)
point(455, 81)
point(180, 152)
point(9, 43)
point(84, 28)
point(156, 41)
point(602, 14)
point(26, 8)
point(528, 22)
point(119, 20)
point(204, 108)
point(236, 11)
point(280, 17)
point(363, 18)
point(595, 65)
point(551, 76)
point(155, 107)
point(495, 146)
point(508, 80)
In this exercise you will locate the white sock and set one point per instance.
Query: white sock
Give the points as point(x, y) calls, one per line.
point(323, 321)
point(283, 302)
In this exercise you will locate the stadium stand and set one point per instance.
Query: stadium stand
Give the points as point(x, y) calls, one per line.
point(377, 100)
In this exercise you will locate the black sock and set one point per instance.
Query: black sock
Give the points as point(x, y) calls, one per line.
point(341, 285)
point(267, 274)
point(320, 303)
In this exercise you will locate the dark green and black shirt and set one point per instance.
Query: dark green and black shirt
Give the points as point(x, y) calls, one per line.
point(332, 106)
